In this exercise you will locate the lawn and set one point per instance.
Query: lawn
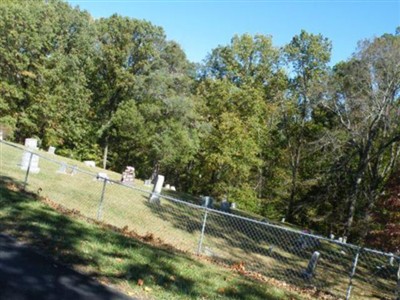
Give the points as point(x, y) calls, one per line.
point(266, 249)
point(133, 266)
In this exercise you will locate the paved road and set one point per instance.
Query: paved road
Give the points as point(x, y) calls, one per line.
point(24, 275)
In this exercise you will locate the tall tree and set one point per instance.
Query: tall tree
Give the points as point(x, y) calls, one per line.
point(45, 51)
point(367, 105)
point(238, 87)
point(307, 55)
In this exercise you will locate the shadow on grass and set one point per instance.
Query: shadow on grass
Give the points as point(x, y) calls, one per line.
point(92, 248)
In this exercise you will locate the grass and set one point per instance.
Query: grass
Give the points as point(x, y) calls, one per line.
point(116, 259)
point(270, 251)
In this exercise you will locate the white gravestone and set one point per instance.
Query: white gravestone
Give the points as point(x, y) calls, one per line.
point(1, 135)
point(31, 144)
point(52, 150)
point(155, 195)
point(90, 163)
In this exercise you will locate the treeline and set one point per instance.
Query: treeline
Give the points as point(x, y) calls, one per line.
point(275, 130)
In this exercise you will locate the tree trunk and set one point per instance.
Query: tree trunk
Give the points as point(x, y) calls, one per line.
point(293, 189)
point(105, 154)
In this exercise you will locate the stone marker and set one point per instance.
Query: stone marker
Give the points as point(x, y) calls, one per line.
point(101, 176)
point(31, 144)
point(225, 206)
point(167, 187)
point(128, 176)
point(51, 150)
point(233, 205)
point(155, 195)
point(283, 220)
point(309, 272)
point(1, 134)
point(173, 188)
point(90, 163)
point(332, 236)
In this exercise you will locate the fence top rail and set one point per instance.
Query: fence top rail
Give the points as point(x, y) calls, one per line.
point(196, 206)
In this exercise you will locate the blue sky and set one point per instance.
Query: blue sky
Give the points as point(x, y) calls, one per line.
point(201, 25)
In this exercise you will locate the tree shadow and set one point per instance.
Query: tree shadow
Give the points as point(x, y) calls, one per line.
point(26, 274)
point(59, 235)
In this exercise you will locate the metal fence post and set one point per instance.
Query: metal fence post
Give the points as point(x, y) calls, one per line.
point(27, 170)
point(398, 283)
point(353, 271)
point(203, 228)
point(100, 209)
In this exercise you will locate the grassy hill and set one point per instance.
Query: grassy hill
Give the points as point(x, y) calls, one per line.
point(237, 243)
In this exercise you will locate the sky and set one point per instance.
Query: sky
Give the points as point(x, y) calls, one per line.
point(202, 25)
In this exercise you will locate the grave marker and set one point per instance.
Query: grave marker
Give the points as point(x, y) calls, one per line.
point(309, 272)
point(90, 163)
point(155, 195)
point(51, 150)
point(31, 144)
point(128, 176)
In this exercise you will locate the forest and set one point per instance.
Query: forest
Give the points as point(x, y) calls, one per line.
point(278, 130)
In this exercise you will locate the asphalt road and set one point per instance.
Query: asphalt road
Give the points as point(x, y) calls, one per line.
point(25, 274)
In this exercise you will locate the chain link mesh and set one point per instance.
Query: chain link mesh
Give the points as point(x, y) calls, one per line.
point(259, 248)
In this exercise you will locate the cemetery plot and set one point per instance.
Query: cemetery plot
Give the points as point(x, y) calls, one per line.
point(263, 248)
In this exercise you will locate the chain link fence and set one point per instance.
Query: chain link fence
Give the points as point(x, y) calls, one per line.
point(260, 248)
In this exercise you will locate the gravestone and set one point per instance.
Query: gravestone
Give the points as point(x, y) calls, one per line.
point(31, 144)
point(233, 205)
point(332, 236)
point(173, 188)
point(167, 187)
point(283, 220)
point(51, 150)
point(90, 163)
point(128, 176)
point(225, 206)
point(309, 272)
point(101, 176)
point(155, 195)
point(1, 135)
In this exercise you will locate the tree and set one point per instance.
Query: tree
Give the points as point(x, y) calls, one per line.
point(385, 230)
point(45, 50)
point(366, 102)
point(307, 55)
